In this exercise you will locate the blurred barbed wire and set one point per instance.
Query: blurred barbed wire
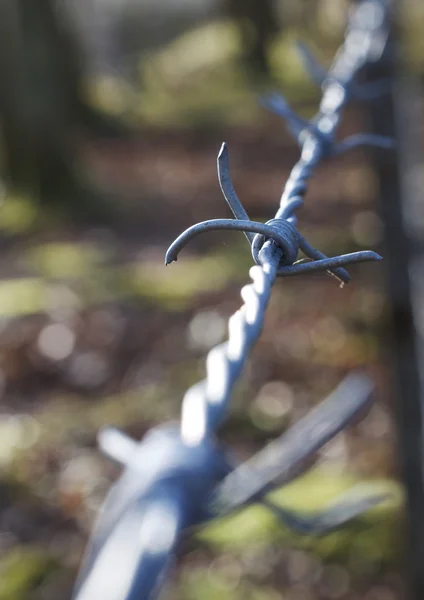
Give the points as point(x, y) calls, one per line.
point(179, 476)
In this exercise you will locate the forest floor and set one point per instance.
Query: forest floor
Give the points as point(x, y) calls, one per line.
point(96, 331)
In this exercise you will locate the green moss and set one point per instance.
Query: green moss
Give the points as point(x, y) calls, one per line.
point(213, 585)
point(375, 533)
point(22, 570)
point(197, 79)
point(94, 281)
point(19, 297)
point(17, 214)
point(67, 261)
point(175, 286)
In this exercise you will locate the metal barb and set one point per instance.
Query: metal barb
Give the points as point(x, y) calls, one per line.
point(179, 476)
point(317, 72)
point(220, 225)
point(227, 188)
point(343, 511)
point(276, 103)
point(364, 139)
point(286, 457)
point(287, 238)
point(281, 229)
point(363, 91)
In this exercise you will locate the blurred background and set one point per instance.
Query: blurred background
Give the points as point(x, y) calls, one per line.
point(112, 113)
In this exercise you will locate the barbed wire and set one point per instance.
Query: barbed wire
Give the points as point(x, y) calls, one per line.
point(179, 476)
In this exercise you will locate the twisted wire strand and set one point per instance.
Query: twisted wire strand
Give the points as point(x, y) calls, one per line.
point(178, 476)
point(204, 404)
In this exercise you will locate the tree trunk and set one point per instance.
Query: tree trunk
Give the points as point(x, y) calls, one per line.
point(41, 108)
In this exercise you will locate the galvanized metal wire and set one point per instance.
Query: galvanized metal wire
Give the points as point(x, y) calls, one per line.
point(179, 475)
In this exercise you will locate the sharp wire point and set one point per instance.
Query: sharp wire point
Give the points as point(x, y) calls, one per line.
point(345, 509)
point(313, 66)
point(224, 148)
point(286, 457)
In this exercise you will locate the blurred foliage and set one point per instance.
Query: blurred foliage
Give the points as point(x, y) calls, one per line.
point(412, 19)
point(314, 491)
point(197, 79)
point(17, 214)
point(22, 570)
point(99, 282)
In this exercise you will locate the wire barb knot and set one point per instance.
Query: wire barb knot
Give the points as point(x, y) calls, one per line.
point(281, 230)
point(288, 242)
